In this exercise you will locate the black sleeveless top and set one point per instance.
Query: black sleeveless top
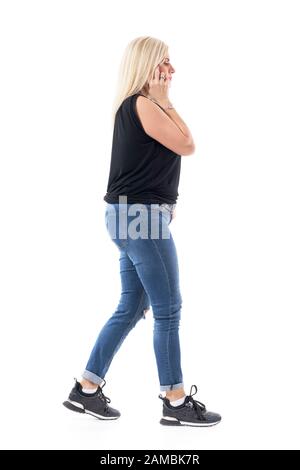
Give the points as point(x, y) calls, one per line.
point(141, 167)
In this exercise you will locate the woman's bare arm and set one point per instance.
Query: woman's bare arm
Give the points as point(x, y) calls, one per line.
point(165, 126)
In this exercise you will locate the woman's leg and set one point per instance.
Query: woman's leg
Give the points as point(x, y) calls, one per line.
point(131, 308)
point(155, 260)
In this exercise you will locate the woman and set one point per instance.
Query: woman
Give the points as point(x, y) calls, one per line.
point(149, 139)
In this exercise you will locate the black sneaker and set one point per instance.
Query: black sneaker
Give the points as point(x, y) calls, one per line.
point(94, 404)
point(190, 413)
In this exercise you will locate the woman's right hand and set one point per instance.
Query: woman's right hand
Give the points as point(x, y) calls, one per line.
point(159, 88)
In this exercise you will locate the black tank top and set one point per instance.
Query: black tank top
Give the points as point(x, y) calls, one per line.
point(141, 168)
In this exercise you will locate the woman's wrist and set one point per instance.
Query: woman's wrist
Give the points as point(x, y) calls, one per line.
point(168, 106)
point(164, 104)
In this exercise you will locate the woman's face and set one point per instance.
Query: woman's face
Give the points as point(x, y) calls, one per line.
point(166, 67)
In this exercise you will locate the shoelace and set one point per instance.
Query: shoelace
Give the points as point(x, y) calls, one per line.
point(197, 405)
point(102, 397)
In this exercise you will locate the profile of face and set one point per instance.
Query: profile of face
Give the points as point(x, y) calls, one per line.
point(166, 67)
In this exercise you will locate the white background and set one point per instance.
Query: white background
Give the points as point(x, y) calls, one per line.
point(237, 228)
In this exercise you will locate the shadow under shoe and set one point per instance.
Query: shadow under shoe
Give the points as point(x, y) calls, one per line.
point(95, 404)
point(190, 413)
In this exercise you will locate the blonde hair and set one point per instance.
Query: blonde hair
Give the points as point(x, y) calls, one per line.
point(140, 58)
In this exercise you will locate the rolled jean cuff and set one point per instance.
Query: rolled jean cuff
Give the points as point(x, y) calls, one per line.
point(167, 388)
point(86, 374)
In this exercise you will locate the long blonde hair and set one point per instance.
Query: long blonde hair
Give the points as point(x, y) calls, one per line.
point(140, 58)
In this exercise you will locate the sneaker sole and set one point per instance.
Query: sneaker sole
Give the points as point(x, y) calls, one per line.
point(176, 422)
point(77, 408)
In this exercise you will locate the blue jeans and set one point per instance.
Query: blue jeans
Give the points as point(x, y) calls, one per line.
point(149, 276)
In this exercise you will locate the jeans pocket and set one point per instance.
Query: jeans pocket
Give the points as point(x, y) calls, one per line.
point(167, 209)
point(113, 229)
point(105, 219)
